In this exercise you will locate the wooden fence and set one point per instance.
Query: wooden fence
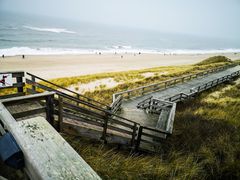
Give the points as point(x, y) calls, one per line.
point(41, 145)
point(49, 86)
point(116, 105)
point(83, 111)
point(87, 111)
point(164, 84)
point(46, 99)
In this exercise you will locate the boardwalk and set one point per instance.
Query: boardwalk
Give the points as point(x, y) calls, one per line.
point(129, 108)
point(123, 122)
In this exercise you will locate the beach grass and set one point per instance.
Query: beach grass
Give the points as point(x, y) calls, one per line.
point(206, 139)
point(205, 144)
point(135, 78)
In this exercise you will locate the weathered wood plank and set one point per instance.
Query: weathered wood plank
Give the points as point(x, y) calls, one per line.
point(47, 155)
point(29, 113)
point(32, 96)
point(12, 95)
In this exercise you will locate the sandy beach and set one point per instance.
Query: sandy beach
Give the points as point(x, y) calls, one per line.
point(55, 66)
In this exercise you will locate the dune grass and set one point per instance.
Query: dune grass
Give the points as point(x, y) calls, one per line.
point(214, 59)
point(205, 144)
point(132, 79)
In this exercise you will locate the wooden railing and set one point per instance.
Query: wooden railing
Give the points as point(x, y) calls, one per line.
point(145, 103)
point(180, 97)
point(151, 136)
point(35, 80)
point(88, 111)
point(18, 83)
point(39, 142)
point(169, 127)
point(158, 106)
point(95, 114)
point(116, 105)
point(164, 84)
point(68, 107)
point(152, 105)
point(103, 119)
point(45, 98)
point(215, 82)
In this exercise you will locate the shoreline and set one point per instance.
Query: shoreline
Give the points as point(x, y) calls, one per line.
point(56, 66)
point(18, 51)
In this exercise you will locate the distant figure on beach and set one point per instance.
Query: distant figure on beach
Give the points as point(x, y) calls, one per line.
point(3, 56)
point(23, 56)
point(121, 56)
point(99, 53)
point(139, 53)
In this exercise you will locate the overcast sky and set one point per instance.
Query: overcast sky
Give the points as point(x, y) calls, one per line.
point(213, 18)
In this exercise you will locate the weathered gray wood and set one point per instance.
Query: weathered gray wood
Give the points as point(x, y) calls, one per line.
point(47, 155)
point(134, 134)
point(32, 96)
point(139, 137)
point(50, 109)
point(11, 95)
point(140, 90)
point(60, 114)
point(29, 113)
point(82, 119)
point(60, 87)
point(116, 104)
point(129, 108)
point(105, 127)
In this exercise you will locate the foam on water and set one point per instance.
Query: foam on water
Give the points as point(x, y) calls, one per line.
point(54, 30)
point(45, 36)
point(64, 51)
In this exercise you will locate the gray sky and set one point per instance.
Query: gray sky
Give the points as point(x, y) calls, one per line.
point(212, 18)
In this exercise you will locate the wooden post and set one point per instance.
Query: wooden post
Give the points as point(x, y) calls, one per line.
point(105, 125)
point(183, 79)
point(138, 138)
point(33, 86)
point(129, 93)
point(134, 134)
point(199, 88)
point(20, 80)
point(212, 84)
point(50, 109)
point(60, 114)
point(165, 85)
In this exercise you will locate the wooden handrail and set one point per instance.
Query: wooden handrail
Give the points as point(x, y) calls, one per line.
point(171, 80)
point(68, 90)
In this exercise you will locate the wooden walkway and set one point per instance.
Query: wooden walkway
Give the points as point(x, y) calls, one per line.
point(46, 154)
point(130, 110)
point(139, 118)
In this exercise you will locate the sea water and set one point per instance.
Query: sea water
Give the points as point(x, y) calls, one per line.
point(35, 35)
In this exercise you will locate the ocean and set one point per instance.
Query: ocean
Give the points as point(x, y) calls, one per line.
point(35, 35)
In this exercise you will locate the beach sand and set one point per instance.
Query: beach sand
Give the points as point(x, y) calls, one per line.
point(55, 66)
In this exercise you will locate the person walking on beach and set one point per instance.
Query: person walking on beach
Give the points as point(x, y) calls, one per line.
point(3, 56)
point(23, 56)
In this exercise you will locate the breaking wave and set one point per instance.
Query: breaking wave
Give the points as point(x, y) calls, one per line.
point(54, 30)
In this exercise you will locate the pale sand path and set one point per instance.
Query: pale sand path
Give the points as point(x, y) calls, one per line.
point(54, 66)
